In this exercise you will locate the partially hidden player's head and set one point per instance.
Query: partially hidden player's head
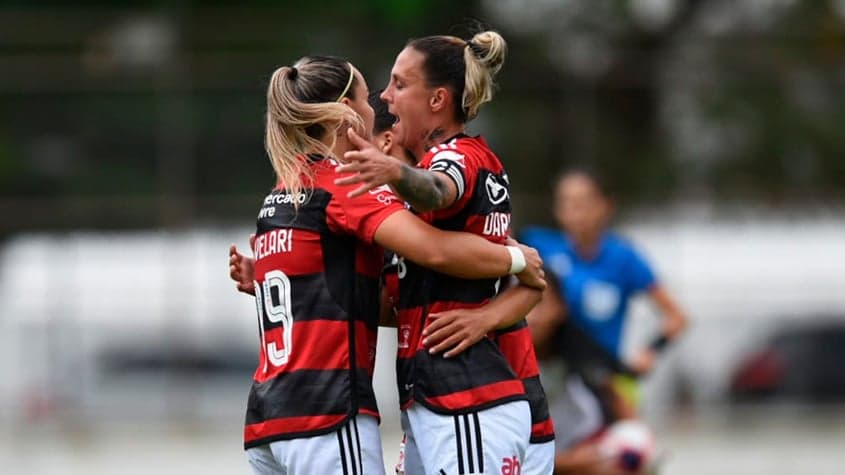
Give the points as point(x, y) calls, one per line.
point(439, 80)
point(385, 130)
point(582, 206)
point(309, 107)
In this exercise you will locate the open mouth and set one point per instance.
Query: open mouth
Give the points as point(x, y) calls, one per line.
point(392, 112)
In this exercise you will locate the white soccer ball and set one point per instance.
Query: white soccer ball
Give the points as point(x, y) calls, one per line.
point(629, 445)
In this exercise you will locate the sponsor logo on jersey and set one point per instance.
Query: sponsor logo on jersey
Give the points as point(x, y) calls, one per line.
point(284, 198)
point(496, 191)
point(511, 466)
point(404, 335)
point(274, 199)
point(601, 299)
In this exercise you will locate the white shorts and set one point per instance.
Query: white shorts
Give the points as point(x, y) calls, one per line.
point(354, 449)
point(539, 459)
point(489, 441)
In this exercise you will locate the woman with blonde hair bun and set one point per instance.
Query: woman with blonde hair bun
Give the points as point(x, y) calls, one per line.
point(311, 408)
point(478, 406)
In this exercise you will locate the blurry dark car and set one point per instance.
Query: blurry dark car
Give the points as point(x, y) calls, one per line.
point(802, 362)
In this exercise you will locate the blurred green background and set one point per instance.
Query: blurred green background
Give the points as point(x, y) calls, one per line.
point(152, 115)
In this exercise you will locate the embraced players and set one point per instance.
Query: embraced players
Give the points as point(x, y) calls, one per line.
point(311, 408)
point(468, 408)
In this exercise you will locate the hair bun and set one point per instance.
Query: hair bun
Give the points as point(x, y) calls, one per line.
point(476, 48)
point(490, 48)
point(483, 59)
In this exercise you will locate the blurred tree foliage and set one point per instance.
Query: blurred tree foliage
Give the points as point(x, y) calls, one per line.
point(116, 114)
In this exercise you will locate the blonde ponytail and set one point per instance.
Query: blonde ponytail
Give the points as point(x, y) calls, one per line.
point(296, 128)
point(483, 56)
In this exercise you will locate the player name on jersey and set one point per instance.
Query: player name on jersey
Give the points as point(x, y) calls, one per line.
point(497, 224)
point(272, 242)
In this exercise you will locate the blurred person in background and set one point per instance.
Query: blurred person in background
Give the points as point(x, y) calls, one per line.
point(593, 275)
point(437, 85)
point(598, 272)
point(574, 406)
point(312, 407)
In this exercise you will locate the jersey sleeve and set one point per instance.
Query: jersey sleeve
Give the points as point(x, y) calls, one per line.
point(640, 275)
point(453, 165)
point(362, 215)
point(460, 166)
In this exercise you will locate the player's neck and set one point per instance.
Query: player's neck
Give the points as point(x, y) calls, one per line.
point(341, 146)
point(436, 135)
point(587, 246)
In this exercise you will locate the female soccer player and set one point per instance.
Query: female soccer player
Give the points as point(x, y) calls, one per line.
point(594, 274)
point(311, 408)
point(599, 272)
point(467, 408)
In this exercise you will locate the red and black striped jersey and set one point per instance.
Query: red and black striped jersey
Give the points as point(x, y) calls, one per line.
point(480, 377)
point(317, 294)
point(390, 279)
point(515, 343)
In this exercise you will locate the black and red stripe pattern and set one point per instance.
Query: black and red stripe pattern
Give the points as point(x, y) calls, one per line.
point(480, 377)
point(317, 288)
point(515, 343)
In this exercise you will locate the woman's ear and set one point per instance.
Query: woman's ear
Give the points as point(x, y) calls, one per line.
point(439, 99)
point(387, 143)
point(341, 131)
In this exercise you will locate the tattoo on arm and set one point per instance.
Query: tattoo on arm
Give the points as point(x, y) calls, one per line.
point(423, 189)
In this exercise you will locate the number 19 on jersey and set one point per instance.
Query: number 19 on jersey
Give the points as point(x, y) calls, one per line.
point(272, 298)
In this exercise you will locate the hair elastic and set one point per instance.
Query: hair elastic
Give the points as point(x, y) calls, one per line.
point(293, 73)
point(348, 83)
point(476, 49)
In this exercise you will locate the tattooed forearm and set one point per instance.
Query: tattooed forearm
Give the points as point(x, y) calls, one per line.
point(423, 189)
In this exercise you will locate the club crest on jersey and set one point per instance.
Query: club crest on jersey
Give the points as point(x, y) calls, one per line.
point(495, 190)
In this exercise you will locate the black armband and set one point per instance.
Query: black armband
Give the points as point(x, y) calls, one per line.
point(660, 343)
point(453, 171)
